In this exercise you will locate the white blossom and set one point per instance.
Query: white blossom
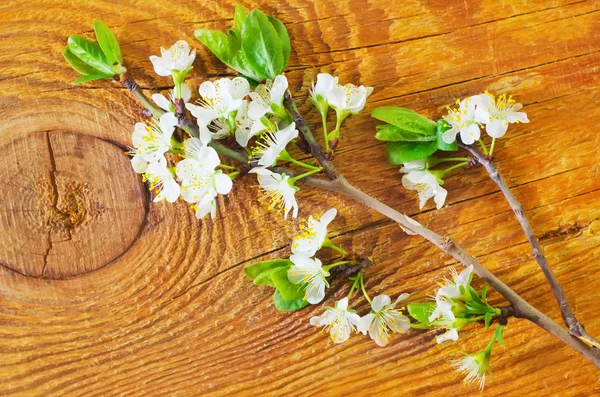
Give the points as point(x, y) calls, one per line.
point(313, 235)
point(278, 190)
point(176, 59)
point(462, 120)
point(162, 181)
point(384, 317)
point(268, 98)
point(475, 366)
point(348, 99)
point(200, 182)
point(272, 144)
point(338, 320)
point(152, 140)
point(168, 104)
point(243, 131)
point(321, 91)
point(497, 113)
point(309, 273)
point(451, 289)
point(427, 186)
point(219, 101)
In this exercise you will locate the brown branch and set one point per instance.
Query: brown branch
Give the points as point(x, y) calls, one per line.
point(566, 310)
point(315, 149)
point(522, 309)
point(339, 184)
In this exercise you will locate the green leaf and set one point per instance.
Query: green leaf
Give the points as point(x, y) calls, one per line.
point(388, 132)
point(421, 311)
point(285, 287)
point(484, 292)
point(108, 43)
point(284, 38)
point(77, 63)
point(286, 305)
point(257, 268)
point(90, 53)
point(488, 319)
point(403, 152)
point(441, 128)
point(499, 334)
point(92, 77)
point(217, 42)
point(239, 17)
point(261, 45)
point(405, 119)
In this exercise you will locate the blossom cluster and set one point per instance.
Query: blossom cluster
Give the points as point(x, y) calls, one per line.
point(465, 120)
point(228, 109)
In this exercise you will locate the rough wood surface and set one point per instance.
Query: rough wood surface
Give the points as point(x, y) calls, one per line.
point(104, 293)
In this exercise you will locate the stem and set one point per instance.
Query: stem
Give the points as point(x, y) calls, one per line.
point(315, 149)
point(566, 310)
point(298, 177)
point(285, 156)
point(447, 170)
point(227, 167)
point(492, 147)
point(483, 146)
point(327, 243)
point(326, 268)
point(522, 309)
point(364, 291)
point(324, 119)
point(233, 175)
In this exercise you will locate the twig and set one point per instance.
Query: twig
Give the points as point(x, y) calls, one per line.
point(339, 184)
point(566, 310)
point(185, 123)
point(315, 149)
point(522, 309)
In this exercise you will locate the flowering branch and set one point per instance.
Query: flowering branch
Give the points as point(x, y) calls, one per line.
point(575, 328)
point(522, 309)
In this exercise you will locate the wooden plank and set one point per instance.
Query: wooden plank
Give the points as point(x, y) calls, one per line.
point(150, 301)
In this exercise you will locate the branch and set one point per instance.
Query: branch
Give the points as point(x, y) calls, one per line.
point(315, 149)
point(184, 123)
point(522, 309)
point(566, 310)
point(339, 184)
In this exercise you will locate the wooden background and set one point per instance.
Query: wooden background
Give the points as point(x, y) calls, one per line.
point(104, 293)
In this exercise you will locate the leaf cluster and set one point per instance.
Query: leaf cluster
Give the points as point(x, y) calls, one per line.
point(409, 135)
point(95, 60)
point(287, 297)
point(258, 46)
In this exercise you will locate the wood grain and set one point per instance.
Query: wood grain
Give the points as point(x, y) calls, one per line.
point(104, 293)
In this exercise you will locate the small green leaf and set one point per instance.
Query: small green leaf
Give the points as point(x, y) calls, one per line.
point(90, 53)
point(257, 268)
point(403, 152)
point(239, 17)
point(405, 119)
point(287, 290)
point(421, 311)
point(499, 334)
point(484, 292)
point(488, 319)
point(442, 126)
point(77, 63)
point(108, 43)
point(287, 306)
point(261, 45)
point(388, 132)
point(92, 77)
point(284, 38)
point(217, 42)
